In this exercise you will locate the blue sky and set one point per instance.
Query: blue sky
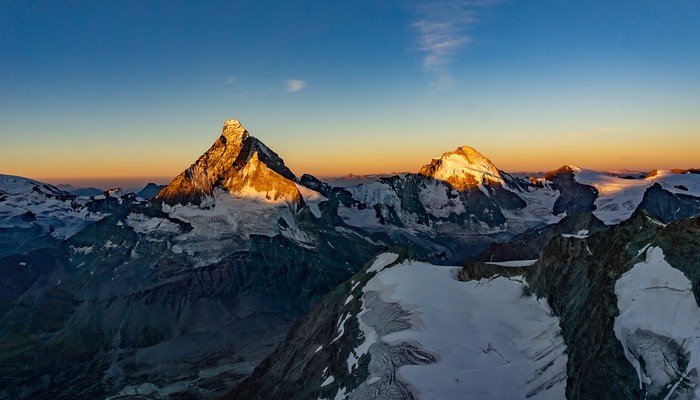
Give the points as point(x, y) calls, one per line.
point(133, 88)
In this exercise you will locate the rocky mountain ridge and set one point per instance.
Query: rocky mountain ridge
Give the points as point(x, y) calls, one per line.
point(238, 163)
point(165, 299)
point(338, 350)
point(184, 295)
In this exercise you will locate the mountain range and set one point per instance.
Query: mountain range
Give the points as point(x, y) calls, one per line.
point(241, 280)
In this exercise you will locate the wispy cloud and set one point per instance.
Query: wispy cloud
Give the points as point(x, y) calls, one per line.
point(295, 85)
point(229, 80)
point(442, 28)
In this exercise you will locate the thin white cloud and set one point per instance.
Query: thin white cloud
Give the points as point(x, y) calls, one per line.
point(295, 85)
point(229, 80)
point(442, 29)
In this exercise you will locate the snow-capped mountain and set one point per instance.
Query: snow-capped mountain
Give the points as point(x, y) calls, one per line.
point(464, 168)
point(461, 187)
point(25, 203)
point(237, 188)
point(183, 296)
point(237, 163)
point(457, 204)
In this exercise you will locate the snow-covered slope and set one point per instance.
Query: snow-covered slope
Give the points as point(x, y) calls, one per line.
point(222, 224)
point(236, 189)
point(464, 168)
point(26, 203)
point(659, 327)
point(460, 196)
point(461, 188)
point(406, 329)
point(618, 197)
point(481, 339)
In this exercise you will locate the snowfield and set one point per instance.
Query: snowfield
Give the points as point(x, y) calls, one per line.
point(619, 197)
point(472, 340)
point(224, 221)
point(659, 323)
point(25, 203)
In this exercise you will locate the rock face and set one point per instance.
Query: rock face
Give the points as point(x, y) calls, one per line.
point(578, 277)
point(574, 197)
point(237, 162)
point(668, 206)
point(529, 244)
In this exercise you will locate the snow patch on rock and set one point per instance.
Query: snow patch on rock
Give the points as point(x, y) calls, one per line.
point(659, 323)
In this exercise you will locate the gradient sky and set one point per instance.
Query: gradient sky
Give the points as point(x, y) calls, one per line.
point(142, 88)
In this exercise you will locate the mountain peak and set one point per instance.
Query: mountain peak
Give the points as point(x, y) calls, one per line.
point(227, 165)
point(468, 151)
point(234, 131)
point(463, 168)
point(564, 169)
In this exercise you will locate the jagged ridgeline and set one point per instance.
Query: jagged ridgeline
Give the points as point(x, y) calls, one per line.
point(180, 296)
point(236, 162)
point(115, 296)
point(612, 315)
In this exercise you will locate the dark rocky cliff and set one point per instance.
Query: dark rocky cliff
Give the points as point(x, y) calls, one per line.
point(577, 276)
point(110, 309)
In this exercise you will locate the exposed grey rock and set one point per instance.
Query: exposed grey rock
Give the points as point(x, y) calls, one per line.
point(667, 206)
point(150, 191)
point(529, 244)
point(578, 276)
point(575, 197)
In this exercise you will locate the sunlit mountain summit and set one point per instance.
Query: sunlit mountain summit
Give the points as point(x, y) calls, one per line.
point(237, 267)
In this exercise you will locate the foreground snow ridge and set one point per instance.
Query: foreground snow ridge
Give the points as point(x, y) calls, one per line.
point(484, 339)
point(659, 323)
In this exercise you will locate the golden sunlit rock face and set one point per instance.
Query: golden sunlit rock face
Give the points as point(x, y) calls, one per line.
point(463, 168)
point(238, 163)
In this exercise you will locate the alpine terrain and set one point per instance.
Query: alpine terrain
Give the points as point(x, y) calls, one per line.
point(241, 280)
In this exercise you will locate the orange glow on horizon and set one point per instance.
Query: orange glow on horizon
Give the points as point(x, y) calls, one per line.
point(334, 156)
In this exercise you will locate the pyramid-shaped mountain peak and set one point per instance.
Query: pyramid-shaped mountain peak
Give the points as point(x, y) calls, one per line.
point(237, 163)
point(463, 168)
point(234, 132)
